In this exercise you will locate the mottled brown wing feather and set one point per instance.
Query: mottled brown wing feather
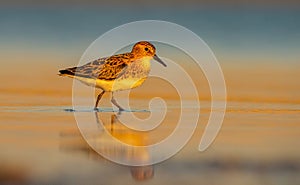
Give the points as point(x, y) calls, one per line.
point(89, 70)
point(103, 68)
point(92, 69)
point(114, 67)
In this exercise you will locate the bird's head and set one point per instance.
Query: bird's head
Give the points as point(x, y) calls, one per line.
point(144, 49)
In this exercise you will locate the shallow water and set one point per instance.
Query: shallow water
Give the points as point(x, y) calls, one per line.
point(258, 144)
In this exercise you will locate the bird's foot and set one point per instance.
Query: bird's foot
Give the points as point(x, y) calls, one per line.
point(121, 109)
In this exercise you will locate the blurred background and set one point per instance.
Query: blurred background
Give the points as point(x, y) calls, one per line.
point(257, 44)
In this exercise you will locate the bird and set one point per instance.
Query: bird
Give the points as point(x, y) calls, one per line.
point(118, 72)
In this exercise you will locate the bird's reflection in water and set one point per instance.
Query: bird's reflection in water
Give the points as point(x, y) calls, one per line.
point(142, 172)
point(112, 127)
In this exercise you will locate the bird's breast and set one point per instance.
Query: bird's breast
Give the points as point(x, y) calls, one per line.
point(139, 68)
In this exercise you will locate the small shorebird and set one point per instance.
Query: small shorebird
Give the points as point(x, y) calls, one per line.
point(118, 72)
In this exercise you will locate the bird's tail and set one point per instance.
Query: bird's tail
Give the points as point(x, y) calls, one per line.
point(67, 72)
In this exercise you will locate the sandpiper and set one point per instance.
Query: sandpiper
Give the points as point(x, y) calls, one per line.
point(117, 72)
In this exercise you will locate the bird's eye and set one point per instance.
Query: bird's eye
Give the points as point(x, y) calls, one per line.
point(146, 49)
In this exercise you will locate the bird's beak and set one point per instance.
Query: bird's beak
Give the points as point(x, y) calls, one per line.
point(155, 57)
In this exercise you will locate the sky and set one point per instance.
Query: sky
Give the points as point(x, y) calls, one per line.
point(154, 2)
point(236, 31)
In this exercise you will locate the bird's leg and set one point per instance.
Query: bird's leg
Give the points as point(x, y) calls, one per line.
point(115, 102)
point(112, 121)
point(98, 99)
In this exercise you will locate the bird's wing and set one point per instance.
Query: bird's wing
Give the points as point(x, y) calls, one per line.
point(89, 70)
point(114, 67)
point(104, 68)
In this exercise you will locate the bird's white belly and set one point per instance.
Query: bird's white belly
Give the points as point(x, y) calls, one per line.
point(121, 84)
